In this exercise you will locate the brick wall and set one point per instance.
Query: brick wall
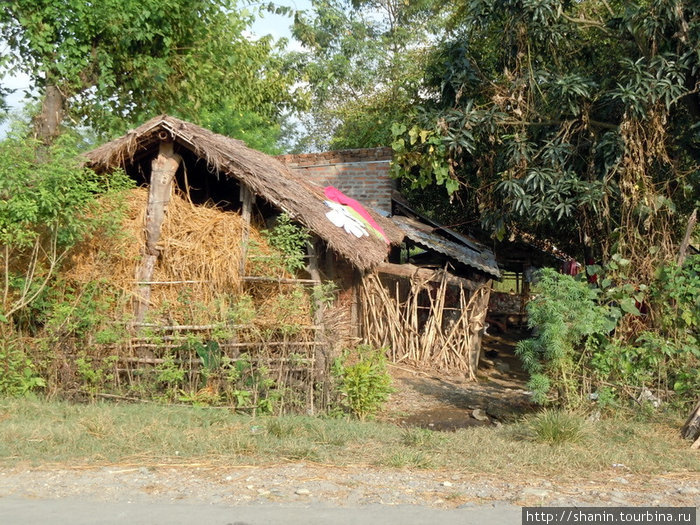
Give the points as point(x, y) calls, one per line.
point(362, 174)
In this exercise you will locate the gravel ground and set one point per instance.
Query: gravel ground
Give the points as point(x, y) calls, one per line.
point(339, 486)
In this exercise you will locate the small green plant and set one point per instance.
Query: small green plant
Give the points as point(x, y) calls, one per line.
point(18, 375)
point(325, 293)
point(94, 373)
point(417, 437)
point(408, 458)
point(555, 427)
point(363, 380)
point(290, 241)
point(282, 428)
point(170, 375)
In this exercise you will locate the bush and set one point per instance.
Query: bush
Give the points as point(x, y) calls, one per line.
point(46, 207)
point(567, 322)
point(18, 375)
point(363, 380)
point(594, 339)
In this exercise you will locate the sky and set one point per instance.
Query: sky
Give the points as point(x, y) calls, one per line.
point(276, 25)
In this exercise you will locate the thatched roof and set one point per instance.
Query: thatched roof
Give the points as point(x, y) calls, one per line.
point(264, 175)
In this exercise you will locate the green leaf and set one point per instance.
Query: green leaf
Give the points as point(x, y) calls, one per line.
point(628, 306)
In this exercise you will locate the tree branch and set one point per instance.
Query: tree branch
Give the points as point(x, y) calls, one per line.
point(585, 22)
point(595, 123)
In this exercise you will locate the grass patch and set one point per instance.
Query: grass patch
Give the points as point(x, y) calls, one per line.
point(402, 457)
point(41, 432)
point(555, 427)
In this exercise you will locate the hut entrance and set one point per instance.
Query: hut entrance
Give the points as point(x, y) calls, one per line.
point(424, 317)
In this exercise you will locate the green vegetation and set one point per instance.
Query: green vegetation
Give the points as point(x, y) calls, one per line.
point(569, 323)
point(573, 121)
point(39, 433)
point(289, 240)
point(364, 63)
point(48, 207)
point(114, 63)
point(554, 427)
point(364, 383)
point(592, 342)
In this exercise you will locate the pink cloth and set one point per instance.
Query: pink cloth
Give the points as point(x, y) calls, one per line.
point(335, 195)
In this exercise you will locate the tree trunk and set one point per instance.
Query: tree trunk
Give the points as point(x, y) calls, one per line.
point(47, 124)
point(691, 429)
point(163, 171)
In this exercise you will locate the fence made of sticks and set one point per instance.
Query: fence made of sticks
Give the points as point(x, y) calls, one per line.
point(239, 366)
point(426, 322)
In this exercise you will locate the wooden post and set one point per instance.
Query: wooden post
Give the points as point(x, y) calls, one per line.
point(477, 323)
point(320, 351)
point(163, 170)
point(247, 200)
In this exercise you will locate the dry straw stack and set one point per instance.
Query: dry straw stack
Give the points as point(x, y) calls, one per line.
point(199, 263)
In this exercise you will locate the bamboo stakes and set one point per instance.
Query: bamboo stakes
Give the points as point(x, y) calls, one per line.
point(423, 334)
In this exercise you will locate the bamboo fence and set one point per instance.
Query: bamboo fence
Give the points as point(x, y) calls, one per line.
point(439, 332)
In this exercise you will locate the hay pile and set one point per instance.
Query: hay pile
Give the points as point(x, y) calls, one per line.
point(198, 243)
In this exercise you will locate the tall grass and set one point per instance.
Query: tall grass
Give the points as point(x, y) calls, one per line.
point(43, 433)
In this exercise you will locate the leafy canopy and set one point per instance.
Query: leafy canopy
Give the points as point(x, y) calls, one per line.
point(117, 62)
point(553, 112)
point(364, 63)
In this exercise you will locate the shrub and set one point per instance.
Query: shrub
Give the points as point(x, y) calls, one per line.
point(568, 322)
point(363, 380)
point(18, 375)
point(595, 338)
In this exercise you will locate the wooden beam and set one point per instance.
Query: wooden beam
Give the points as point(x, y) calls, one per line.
point(410, 271)
point(321, 352)
point(163, 170)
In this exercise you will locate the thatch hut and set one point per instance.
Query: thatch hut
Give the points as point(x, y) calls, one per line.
point(380, 300)
point(172, 156)
point(220, 169)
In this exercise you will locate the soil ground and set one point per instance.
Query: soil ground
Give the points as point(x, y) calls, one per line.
point(439, 401)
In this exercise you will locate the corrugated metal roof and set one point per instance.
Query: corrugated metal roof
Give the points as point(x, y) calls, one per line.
point(481, 259)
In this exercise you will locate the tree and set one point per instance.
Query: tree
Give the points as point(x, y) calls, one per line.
point(364, 66)
point(47, 208)
point(581, 114)
point(112, 63)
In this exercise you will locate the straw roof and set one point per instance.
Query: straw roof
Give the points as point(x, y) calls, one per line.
point(264, 175)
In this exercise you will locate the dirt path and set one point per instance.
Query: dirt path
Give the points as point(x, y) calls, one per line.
point(312, 484)
point(438, 401)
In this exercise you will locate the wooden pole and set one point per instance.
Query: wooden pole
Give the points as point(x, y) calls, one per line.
point(321, 352)
point(247, 200)
point(477, 322)
point(411, 271)
point(163, 170)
